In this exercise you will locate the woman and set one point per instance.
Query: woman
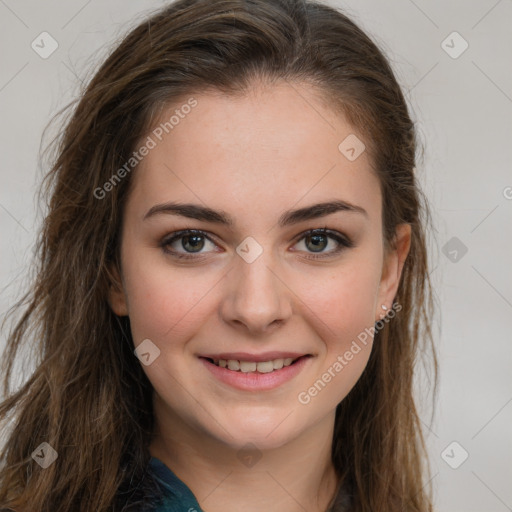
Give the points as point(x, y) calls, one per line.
point(233, 282)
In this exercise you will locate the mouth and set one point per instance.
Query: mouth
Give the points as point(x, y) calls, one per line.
point(246, 374)
point(251, 366)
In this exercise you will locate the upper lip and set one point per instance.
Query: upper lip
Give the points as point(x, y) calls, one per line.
point(258, 358)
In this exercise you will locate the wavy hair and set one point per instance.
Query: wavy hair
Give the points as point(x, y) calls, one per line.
point(88, 396)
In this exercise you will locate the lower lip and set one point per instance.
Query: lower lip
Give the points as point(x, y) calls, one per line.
point(254, 381)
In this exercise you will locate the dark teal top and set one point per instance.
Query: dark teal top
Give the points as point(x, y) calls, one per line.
point(177, 497)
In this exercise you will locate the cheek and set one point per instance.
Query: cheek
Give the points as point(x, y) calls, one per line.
point(343, 301)
point(164, 303)
point(344, 312)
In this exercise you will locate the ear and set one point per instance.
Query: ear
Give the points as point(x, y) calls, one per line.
point(116, 295)
point(394, 260)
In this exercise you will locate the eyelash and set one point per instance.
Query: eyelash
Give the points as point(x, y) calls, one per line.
point(343, 241)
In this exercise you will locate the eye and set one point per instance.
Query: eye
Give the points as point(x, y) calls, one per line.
point(188, 243)
point(316, 240)
point(192, 242)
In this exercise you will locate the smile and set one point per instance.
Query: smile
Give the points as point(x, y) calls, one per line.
point(250, 375)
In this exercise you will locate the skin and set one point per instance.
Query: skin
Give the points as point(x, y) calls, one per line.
point(254, 157)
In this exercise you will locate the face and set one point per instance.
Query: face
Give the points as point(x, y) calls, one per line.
point(265, 278)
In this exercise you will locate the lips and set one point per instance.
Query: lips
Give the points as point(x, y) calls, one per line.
point(255, 371)
point(255, 376)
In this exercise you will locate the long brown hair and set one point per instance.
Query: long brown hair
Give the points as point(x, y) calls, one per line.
point(88, 397)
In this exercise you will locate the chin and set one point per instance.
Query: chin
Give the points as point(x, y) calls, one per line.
point(266, 433)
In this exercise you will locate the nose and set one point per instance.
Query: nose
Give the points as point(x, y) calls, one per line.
point(257, 299)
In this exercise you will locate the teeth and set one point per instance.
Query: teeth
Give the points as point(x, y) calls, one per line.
point(233, 364)
point(265, 367)
point(278, 364)
point(246, 367)
point(252, 366)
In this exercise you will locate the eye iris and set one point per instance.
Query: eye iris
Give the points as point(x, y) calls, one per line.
point(319, 241)
point(195, 241)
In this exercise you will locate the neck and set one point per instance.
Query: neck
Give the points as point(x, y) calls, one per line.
point(296, 476)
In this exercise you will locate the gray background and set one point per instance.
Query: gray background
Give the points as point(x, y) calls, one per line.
point(463, 109)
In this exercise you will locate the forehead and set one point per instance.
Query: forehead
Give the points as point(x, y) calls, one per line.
point(258, 153)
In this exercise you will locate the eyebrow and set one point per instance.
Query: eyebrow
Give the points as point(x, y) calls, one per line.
point(288, 218)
